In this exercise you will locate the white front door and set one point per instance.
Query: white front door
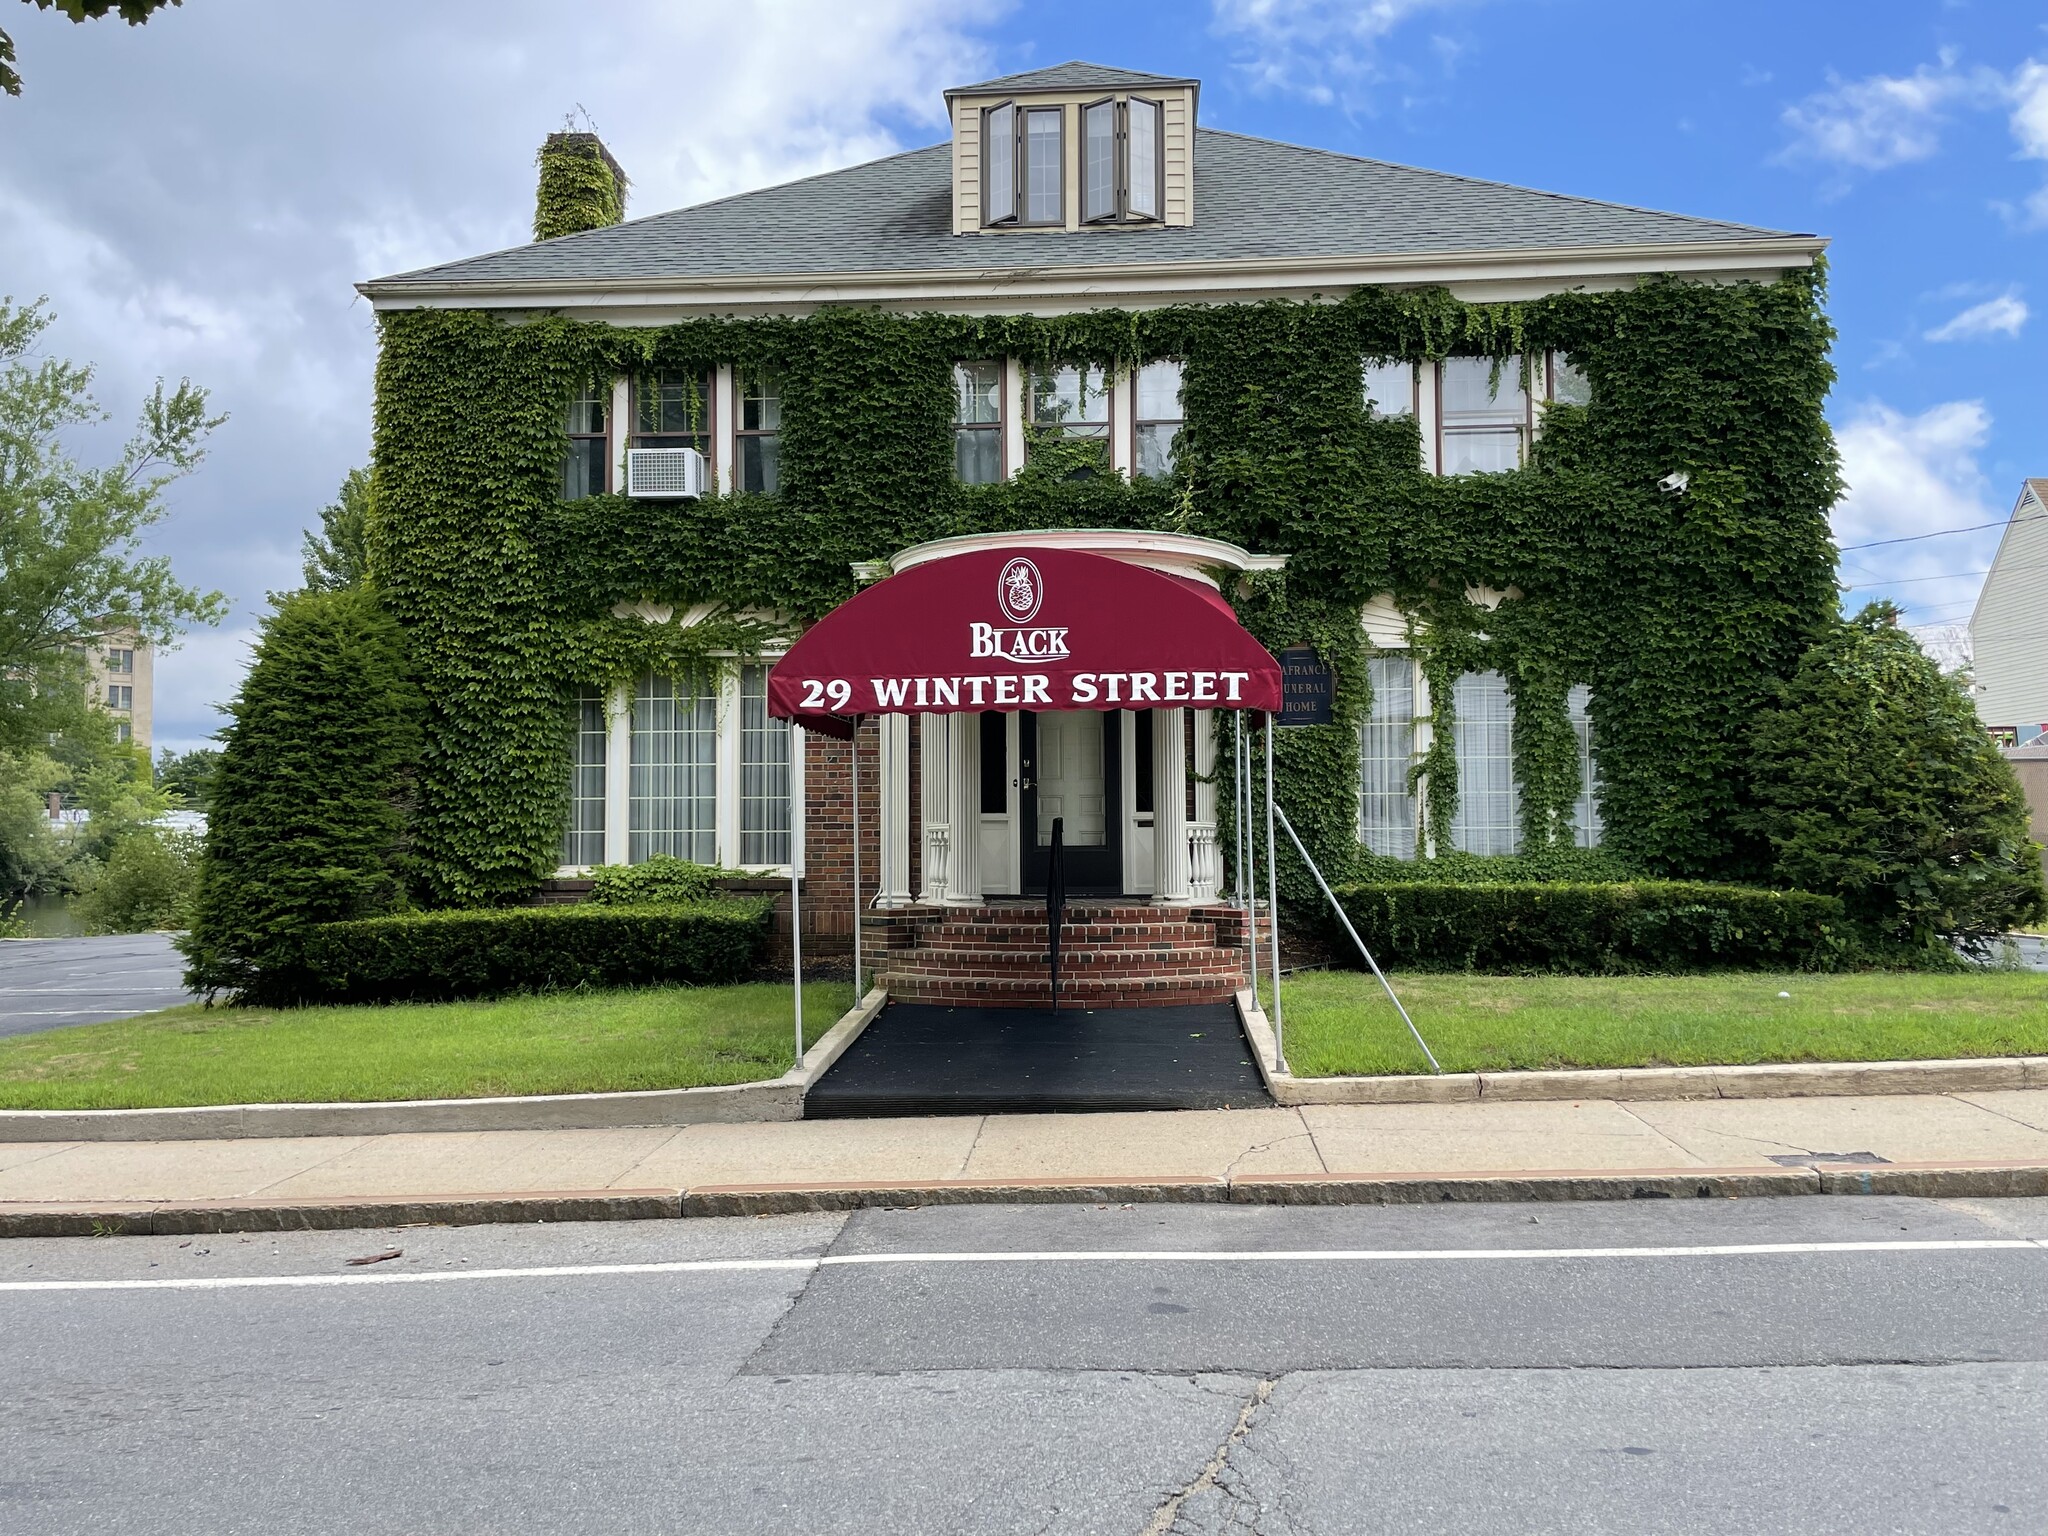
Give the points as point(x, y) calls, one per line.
point(1070, 779)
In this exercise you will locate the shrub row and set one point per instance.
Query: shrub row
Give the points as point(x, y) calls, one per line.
point(531, 949)
point(1648, 925)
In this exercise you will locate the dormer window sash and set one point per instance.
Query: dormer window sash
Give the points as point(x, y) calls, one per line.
point(1123, 172)
point(1042, 165)
point(999, 164)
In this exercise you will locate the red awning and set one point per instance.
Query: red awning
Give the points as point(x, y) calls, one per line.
point(998, 629)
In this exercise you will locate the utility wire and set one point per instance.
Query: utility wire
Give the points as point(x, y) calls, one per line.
point(2003, 522)
point(1908, 581)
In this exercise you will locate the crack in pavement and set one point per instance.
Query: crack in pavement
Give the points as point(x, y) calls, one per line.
point(1168, 1513)
point(1278, 1141)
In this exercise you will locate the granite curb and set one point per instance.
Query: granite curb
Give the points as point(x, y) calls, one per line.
point(1956, 1180)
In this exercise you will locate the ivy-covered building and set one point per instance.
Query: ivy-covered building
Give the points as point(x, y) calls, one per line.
point(1543, 479)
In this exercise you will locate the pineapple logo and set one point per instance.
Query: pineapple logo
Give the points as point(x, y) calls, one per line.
point(1020, 590)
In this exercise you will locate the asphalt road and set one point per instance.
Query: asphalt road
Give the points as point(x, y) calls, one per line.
point(48, 983)
point(1723, 1367)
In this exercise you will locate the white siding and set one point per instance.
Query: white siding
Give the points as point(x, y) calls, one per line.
point(2009, 630)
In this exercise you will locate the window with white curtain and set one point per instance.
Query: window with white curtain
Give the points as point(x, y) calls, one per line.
point(1485, 423)
point(583, 838)
point(1158, 417)
point(1488, 818)
point(1586, 827)
point(764, 774)
point(1386, 753)
point(1390, 388)
point(673, 805)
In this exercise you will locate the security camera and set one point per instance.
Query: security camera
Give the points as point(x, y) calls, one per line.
point(1675, 482)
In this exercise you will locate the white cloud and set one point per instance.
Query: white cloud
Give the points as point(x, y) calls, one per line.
point(1324, 50)
point(1886, 120)
point(1882, 121)
point(1912, 475)
point(191, 207)
point(2002, 316)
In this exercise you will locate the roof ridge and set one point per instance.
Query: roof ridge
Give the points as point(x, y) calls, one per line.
point(1483, 181)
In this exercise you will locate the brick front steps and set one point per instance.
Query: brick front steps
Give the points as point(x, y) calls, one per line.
point(1111, 956)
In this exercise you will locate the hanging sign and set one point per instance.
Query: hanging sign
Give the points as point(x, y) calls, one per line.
point(1307, 687)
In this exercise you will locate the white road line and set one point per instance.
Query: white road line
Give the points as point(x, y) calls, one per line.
point(1054, 1256)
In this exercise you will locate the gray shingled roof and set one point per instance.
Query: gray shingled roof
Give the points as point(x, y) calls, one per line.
point(1074, 75)
point(1253, 198)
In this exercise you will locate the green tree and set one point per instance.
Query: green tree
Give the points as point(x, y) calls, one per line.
point(145, 885)
point(188, 775)
point(1875, 782)
point(32, 857)
point(134, 12)
point(338, 556)
point(309, 801)
point(70, 562)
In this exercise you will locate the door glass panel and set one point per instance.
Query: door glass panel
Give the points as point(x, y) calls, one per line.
point(1071, 784)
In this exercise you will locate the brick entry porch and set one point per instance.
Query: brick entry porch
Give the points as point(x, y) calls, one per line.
point(1115, 952)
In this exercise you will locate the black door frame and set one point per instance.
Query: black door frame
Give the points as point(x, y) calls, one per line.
point(1090, 871)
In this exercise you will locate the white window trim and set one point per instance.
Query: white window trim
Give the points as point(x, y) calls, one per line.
point(618, 781)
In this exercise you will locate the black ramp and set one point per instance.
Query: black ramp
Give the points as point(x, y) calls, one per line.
point(923, 1059)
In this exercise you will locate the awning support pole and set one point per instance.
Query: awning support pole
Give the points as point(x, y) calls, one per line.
point(1247, 875)
point(1345, 918)
point(853, 748)
point(796, 915)
point(1273, 903)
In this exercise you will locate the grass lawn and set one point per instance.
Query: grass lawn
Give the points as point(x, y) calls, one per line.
point(1339, 1022)
point(570, 1042)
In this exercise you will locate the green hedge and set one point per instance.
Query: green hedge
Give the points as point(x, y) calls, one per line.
point(1648, 925)
point(532, 949)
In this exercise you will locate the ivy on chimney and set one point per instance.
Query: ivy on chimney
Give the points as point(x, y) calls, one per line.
point(581, 186)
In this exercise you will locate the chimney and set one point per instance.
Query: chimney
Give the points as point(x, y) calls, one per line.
point(581, 186)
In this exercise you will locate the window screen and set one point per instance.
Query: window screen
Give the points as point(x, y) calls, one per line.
point(1098, 162)
point(672, 410)
point(1143, 142)
point(999, 164)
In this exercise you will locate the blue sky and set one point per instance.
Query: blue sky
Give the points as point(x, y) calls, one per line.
point(196, 196)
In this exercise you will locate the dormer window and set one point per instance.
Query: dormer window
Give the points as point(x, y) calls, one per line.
point(1024, 166)
point(1123, 166)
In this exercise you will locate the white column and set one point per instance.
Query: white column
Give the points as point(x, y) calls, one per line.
point(618, 773)
point(935, 783)
point(725, 416)
point(725, 770)
point(1014, 407)
point(893, 794)
point(963, 885)
point(1205, 863)
point(1169, 807)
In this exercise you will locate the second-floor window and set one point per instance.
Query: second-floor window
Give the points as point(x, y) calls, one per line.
point(672, 409)
point(120, 696)
point(1485, 425)
point(978, 422)
point(1123, 169)
point(760, 431)
point(1157, 418)
point(122, 660)
point(585, 464)
point(1070, 406)
point(1023, 177)
point(1390, 387)
point(1568, 386)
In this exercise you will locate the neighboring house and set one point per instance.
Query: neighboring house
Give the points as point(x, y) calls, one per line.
point(1063, 192)
point(2009, 627)
point(123, 669)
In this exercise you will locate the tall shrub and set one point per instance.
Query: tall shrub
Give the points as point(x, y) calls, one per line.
point(1876, 783)
point(309, 801)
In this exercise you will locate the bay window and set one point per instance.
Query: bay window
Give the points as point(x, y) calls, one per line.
point(587, 462)
point(1484, 415)
point(978, 422)
point(1157, 420)
point(759, 435)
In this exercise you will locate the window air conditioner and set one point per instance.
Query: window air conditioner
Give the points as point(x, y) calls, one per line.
point(664, 474)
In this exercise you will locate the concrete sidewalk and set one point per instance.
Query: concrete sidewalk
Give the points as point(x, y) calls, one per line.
point(1609, 1148)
